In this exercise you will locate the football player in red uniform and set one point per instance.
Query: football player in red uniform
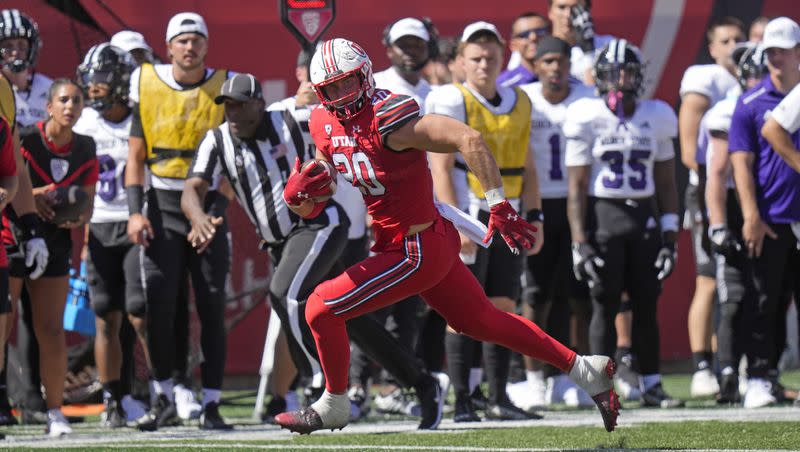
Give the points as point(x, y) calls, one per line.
point(377, 140)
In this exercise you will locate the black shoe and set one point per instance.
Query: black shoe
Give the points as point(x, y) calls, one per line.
point(211, 420)
point(114, 415)
point(275, 406)
point(465, 412)
point(6, 418)
point(479, 400)
point(507, 411)
point(431, 401)
point(656, 397)
point(162, 414)
point(311, 395)
point(729, 390)
point(33, 417)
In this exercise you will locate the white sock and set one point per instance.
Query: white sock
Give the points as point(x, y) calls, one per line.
point(534, 376)
point(648, 381)
point(475, 378)
point(333, 409)
point(164, 387)
point(54, 413)
point(211, 395)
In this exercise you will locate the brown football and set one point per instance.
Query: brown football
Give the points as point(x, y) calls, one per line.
point(319, 166)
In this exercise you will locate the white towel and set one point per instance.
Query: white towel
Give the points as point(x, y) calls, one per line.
point(465, 224)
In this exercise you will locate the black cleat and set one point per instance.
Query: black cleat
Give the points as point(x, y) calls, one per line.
point(729, 390)
point(431, 400)
point(464, 411)
point(302, 421)
point(507, 411)
point(162, 414)
point(113, 415)
point(275, 406)
point(656, 397)
point(479, 400)
point(211, 420)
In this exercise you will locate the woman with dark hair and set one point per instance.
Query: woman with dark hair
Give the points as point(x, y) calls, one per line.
point(55, 157)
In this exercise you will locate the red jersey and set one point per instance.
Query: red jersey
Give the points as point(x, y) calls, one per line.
point(396, 185)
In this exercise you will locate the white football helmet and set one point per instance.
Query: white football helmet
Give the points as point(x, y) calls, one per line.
point(337, 60)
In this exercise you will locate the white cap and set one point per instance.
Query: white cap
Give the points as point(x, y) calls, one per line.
point(186, 23)
point(475, 27)
point(128, 40)
point(408, 27)
point(782, 32)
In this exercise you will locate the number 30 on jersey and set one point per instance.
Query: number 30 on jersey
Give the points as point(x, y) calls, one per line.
point(359, 172)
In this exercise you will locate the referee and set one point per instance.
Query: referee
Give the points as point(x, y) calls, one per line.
point(254, 149)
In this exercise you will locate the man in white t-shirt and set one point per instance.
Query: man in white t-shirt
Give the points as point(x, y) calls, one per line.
point(704, 85)
point(407, 46)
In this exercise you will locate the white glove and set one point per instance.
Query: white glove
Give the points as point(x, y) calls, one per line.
point(36, 255)
point(665, 261)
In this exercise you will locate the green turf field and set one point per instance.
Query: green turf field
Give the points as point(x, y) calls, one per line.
point(701, 425)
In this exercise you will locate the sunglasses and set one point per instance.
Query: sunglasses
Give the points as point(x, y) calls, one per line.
point(539, 32)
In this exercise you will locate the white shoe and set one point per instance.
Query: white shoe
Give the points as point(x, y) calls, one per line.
point(134, 409)
point(576, 397)
point(186, 404)
point(704, 384)
point(556, 387)
point(758, 393)
point(57, 425)
point(522, 395)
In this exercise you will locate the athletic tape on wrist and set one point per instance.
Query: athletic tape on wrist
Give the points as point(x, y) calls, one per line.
point(669, 222)
point(495, 196)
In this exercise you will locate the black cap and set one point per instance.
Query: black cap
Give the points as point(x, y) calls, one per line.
point(551, 44)
point(241, 87)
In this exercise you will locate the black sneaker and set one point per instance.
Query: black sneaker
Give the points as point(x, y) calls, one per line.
point(507, 411)
point(6, 417)
point(729, 390)
point(656, 397)
point(162, 414)
point(211, 420)
point(430, 394)
point(113, 416)
point(275, 406)
point(464, 411)
point(479, 400)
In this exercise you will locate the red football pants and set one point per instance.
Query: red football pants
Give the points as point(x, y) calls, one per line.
point(426, 263)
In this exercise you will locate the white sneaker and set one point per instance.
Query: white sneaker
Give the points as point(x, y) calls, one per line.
point(134, 409)
point(556, 386)
point(186, 404)
point(522, 395)
point(576, 397)
point(57, 425)
point(704, 384)
point(396, 402)
point(758, 393)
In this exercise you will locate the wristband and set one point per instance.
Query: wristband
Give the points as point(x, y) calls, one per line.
point(716, 227)
point(669, 222)
point(30, 225)
point(135, 195)
point(219, 205)
point(495, 196)
point(535, 215)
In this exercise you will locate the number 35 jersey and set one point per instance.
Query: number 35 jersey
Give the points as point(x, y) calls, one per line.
point(396, 185)
point(621, 152)
point(547, 137)
point(110, 201)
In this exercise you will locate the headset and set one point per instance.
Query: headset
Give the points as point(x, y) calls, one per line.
point(433, 42)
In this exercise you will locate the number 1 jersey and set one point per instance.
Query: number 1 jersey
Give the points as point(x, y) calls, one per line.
point(621, 152)
point(396, 185)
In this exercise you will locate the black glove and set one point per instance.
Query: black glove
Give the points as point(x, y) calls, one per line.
point(723, 242)
point(665, 260)
point(584, 27)
point(585, 263)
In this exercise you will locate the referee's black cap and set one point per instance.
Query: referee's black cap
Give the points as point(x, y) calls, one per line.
point(241, 87)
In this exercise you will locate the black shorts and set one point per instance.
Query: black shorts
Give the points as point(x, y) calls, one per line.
point(548, 275)
point(697, 222)
point(5, 303)
point(58, 262)
point(114, 271)
point(496, 268)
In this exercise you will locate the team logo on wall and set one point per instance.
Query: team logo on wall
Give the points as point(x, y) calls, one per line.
point(58, 169)
point(310, 22)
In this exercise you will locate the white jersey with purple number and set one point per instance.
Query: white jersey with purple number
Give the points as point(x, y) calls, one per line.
point(547, 137)
point(32, 104)
point(621, 153)
point(110, 201)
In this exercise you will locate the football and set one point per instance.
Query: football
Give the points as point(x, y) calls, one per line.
point(68, 203)
point(320, 165)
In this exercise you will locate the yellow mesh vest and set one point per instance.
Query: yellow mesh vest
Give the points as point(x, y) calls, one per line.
point(175, 121)
point(8, 105)
point(507, 136)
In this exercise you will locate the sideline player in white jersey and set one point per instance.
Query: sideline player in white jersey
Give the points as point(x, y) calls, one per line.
point(550, 288)
point(409, 45)
point(113, 261)
point(620, 160)
point(704, 85)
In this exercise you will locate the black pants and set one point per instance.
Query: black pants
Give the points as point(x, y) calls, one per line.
point(167, 262)
point(625, 236)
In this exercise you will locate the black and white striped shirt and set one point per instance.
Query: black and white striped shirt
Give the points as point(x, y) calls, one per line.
point(257, 168)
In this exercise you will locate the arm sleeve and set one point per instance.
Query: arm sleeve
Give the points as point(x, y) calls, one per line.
point(8, 164)
point(394, 113)
point(205, 163)
point(578, 133)
point(787, 113)
point(742, 136)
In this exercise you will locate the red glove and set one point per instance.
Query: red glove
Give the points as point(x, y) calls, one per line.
point(302, 186)
point(514, 229)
